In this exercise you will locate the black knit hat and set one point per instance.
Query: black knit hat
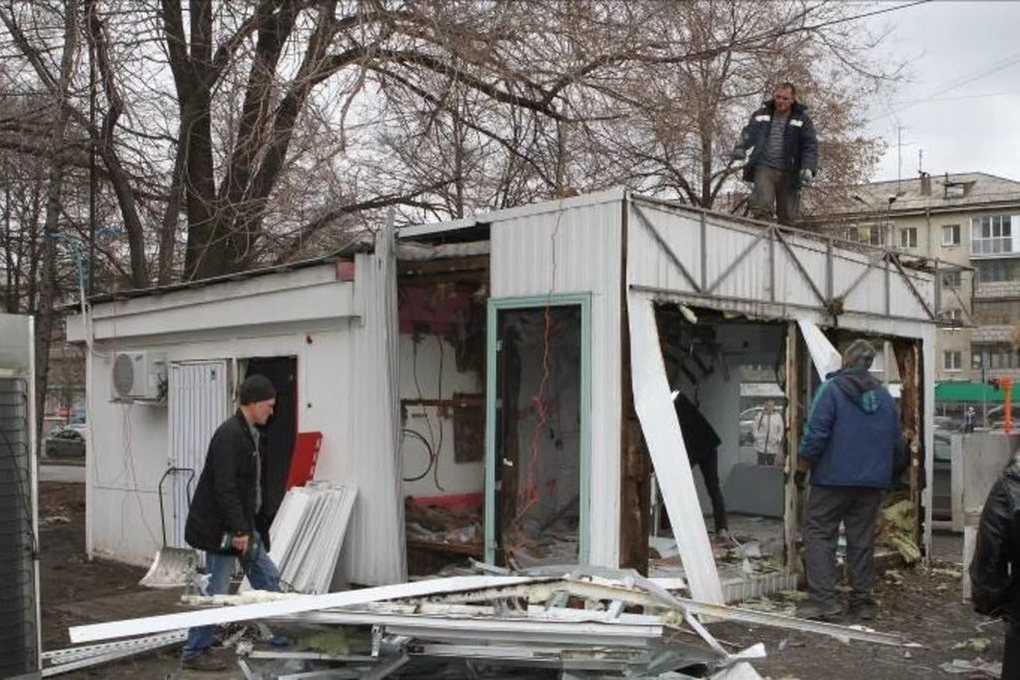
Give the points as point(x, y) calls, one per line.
point(255, 388)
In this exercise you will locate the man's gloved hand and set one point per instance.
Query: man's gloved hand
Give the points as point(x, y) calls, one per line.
point(738, 154)
point(798, 479)
point(806, 176)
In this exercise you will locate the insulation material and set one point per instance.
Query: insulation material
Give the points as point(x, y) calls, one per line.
point(823, 355)
point(669, 455)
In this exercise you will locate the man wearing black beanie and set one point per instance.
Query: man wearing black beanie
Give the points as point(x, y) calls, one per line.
point(221, 520)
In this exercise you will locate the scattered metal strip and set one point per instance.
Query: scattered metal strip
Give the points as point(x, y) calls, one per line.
point(598, 591)
point(296, 605)
point(55, 655)
point(307, 656)
point(328, 674)
point(551, 657)
point(99, 659)
point(387, 668)
point(419, 626)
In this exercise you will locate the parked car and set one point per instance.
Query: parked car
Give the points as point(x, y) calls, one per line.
point(65, 443)
point(997, 417)
point(748, 418)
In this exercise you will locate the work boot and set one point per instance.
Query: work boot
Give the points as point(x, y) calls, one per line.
point(818, 611)
point(205, 661)
point(864, 610)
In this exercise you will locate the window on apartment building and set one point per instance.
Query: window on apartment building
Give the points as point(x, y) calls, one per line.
point(996, 312)
point(908, 237)
point(872, 234)
point(955, 314)
point(952, 360)
point(991, 235)
point(990, 271)
point(951, 235)
point(952, 279)
point(996, 357)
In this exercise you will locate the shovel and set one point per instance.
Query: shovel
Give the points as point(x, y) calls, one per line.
point(172, 567)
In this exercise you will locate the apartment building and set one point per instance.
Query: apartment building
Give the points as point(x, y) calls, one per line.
point(970, 224)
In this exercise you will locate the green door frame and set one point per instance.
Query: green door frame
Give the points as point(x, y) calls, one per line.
point(538, 302)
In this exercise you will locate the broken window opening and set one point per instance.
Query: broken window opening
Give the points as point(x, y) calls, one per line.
point(442, 323)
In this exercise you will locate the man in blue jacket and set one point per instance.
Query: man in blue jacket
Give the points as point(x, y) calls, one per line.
point(853, 447)
point(784, 155)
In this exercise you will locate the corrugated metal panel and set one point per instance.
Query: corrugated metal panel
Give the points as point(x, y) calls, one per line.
point(17, 591)
point(199, 398)
point(578, 250)
point(374, 552)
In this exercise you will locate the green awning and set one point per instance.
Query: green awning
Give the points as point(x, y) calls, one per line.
point(967, 391)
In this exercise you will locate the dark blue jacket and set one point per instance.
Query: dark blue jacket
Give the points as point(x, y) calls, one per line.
point(852, 436)
point(800, 140)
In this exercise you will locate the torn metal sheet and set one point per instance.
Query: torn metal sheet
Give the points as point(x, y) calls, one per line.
point(669, 455)
point(823, 355)
point(295, 605)
point(77, 658)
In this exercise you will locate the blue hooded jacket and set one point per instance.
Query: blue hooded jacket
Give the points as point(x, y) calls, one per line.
point(852, 436)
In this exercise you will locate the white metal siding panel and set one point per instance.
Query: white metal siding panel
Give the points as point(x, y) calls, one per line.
point(574, 251)
point(751, 280)
point(366, 453)
point(198, 402)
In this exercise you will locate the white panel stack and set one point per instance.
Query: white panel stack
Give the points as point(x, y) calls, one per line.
point(307, 535)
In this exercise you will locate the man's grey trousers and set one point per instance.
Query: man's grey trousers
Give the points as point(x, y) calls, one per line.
point(857, 508)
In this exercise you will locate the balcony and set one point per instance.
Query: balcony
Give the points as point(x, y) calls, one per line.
point(992, 335)
point(996, 290)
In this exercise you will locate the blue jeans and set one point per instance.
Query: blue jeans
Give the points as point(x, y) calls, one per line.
point(262, 575)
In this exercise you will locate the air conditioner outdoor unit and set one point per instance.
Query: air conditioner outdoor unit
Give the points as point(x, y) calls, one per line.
point(139, 376)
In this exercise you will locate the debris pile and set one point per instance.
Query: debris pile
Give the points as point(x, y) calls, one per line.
point(573, 619)
point(896, 530)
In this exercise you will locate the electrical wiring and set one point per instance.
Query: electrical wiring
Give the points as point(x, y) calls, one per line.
point(439, 395)
point(428, 450)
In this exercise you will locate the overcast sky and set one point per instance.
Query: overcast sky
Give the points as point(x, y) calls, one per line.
point(962, 104)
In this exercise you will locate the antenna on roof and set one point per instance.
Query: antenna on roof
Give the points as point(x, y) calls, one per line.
point(920, 161)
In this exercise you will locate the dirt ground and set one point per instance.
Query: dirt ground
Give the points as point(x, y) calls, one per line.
point(923, 605)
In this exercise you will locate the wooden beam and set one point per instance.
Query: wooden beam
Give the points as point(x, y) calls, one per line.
point(443, 266)
point(911, 406)
point(791, 501)
point(635, 472)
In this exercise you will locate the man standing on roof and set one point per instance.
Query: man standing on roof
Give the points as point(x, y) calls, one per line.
point(854, 449)
point(784, 155)
point(221, 520)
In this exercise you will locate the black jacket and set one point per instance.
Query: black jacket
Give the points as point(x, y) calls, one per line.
point(224, 500)
point(700, 438)
point(997, 553)
point(800, 140)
